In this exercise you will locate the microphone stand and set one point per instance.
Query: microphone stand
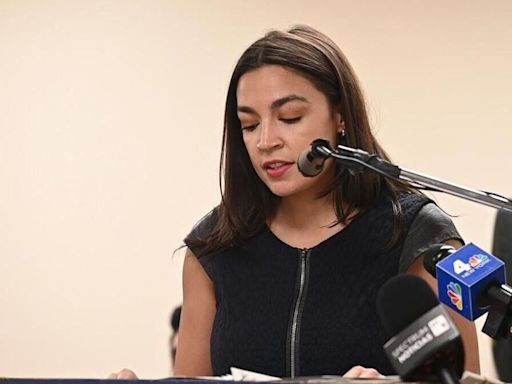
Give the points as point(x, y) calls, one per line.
point(499, 318)
point(446, 374)
point(357, 161)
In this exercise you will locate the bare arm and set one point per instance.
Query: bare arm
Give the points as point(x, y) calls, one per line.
point(198, 313)
point(466, 328)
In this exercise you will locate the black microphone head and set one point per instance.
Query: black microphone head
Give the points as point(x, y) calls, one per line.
point(311, 161)
point(409, 310)
point(308, 165)
point(401, 300)
point(433, 255)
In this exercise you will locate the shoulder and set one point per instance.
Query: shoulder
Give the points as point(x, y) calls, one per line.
point(431, 225)
point(412, 200)
point(202, 228)
point(405, 202)
point(206, 224)
point(200, 237)
point(403, 205)
point(411, 205)
point(197, 240)
point(431, 217)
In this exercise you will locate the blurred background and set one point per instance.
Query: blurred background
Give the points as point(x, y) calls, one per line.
point(110, 130)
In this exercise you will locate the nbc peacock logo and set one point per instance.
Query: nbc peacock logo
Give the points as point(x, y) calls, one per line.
point(476, 260)
point(455, 295)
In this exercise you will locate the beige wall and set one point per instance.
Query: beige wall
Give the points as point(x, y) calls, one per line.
point(110, 126)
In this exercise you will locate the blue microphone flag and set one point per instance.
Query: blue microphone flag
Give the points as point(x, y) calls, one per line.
point(464, 275)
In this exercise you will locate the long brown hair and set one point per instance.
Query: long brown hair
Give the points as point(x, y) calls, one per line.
point(247, 203)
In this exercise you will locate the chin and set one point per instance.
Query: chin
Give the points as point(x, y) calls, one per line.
point(284, 190)
point(310, 187)
point(279, 191)
point(281, 194)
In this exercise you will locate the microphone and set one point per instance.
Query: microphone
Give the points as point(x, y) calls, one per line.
point(425, 344)
point(471, 281)
point(311, 162)
point(357, 161)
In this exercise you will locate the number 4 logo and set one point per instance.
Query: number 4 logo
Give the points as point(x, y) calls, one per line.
point(459, 267)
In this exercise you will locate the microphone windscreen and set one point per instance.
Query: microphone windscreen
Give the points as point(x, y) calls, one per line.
point(433, 255)
point(308, 166)
point(311, 161)
point(402, 300)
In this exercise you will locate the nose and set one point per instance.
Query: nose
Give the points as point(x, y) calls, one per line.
point(269, 138)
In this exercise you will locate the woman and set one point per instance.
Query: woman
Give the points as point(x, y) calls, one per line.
point(281, 278)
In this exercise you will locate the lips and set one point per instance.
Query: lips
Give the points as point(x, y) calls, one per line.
point(277, 168)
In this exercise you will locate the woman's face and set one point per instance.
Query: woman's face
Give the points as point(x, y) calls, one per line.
point(281, 113)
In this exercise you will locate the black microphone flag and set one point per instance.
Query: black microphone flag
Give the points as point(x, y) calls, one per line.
point(425, 344)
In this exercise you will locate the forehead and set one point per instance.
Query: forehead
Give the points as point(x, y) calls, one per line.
point(271, 82)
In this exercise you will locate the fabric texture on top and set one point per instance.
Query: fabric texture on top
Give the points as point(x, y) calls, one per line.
point(289, 312)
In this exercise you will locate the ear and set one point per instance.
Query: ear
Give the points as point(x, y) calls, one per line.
point(340, 123)
point(338, 120)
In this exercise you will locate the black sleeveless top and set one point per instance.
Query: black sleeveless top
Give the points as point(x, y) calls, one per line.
point(291, 312)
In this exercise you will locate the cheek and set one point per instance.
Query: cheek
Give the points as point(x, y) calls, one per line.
point(253, 152)
point(331, 130)
point(250, 147)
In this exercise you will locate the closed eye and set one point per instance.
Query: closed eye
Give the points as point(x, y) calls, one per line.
point(250, 127)
point(291, 120)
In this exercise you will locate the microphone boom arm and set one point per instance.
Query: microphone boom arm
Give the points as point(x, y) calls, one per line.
point(357, 160)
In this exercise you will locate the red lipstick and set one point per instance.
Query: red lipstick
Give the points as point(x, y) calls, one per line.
point(277, 168)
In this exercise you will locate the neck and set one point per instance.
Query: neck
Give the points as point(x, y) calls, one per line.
point(300, 213)
point(305, 223)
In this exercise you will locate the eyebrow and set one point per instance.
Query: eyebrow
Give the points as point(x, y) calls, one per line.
point(275, 104)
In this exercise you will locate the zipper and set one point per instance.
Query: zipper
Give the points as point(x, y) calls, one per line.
point(294, 331)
